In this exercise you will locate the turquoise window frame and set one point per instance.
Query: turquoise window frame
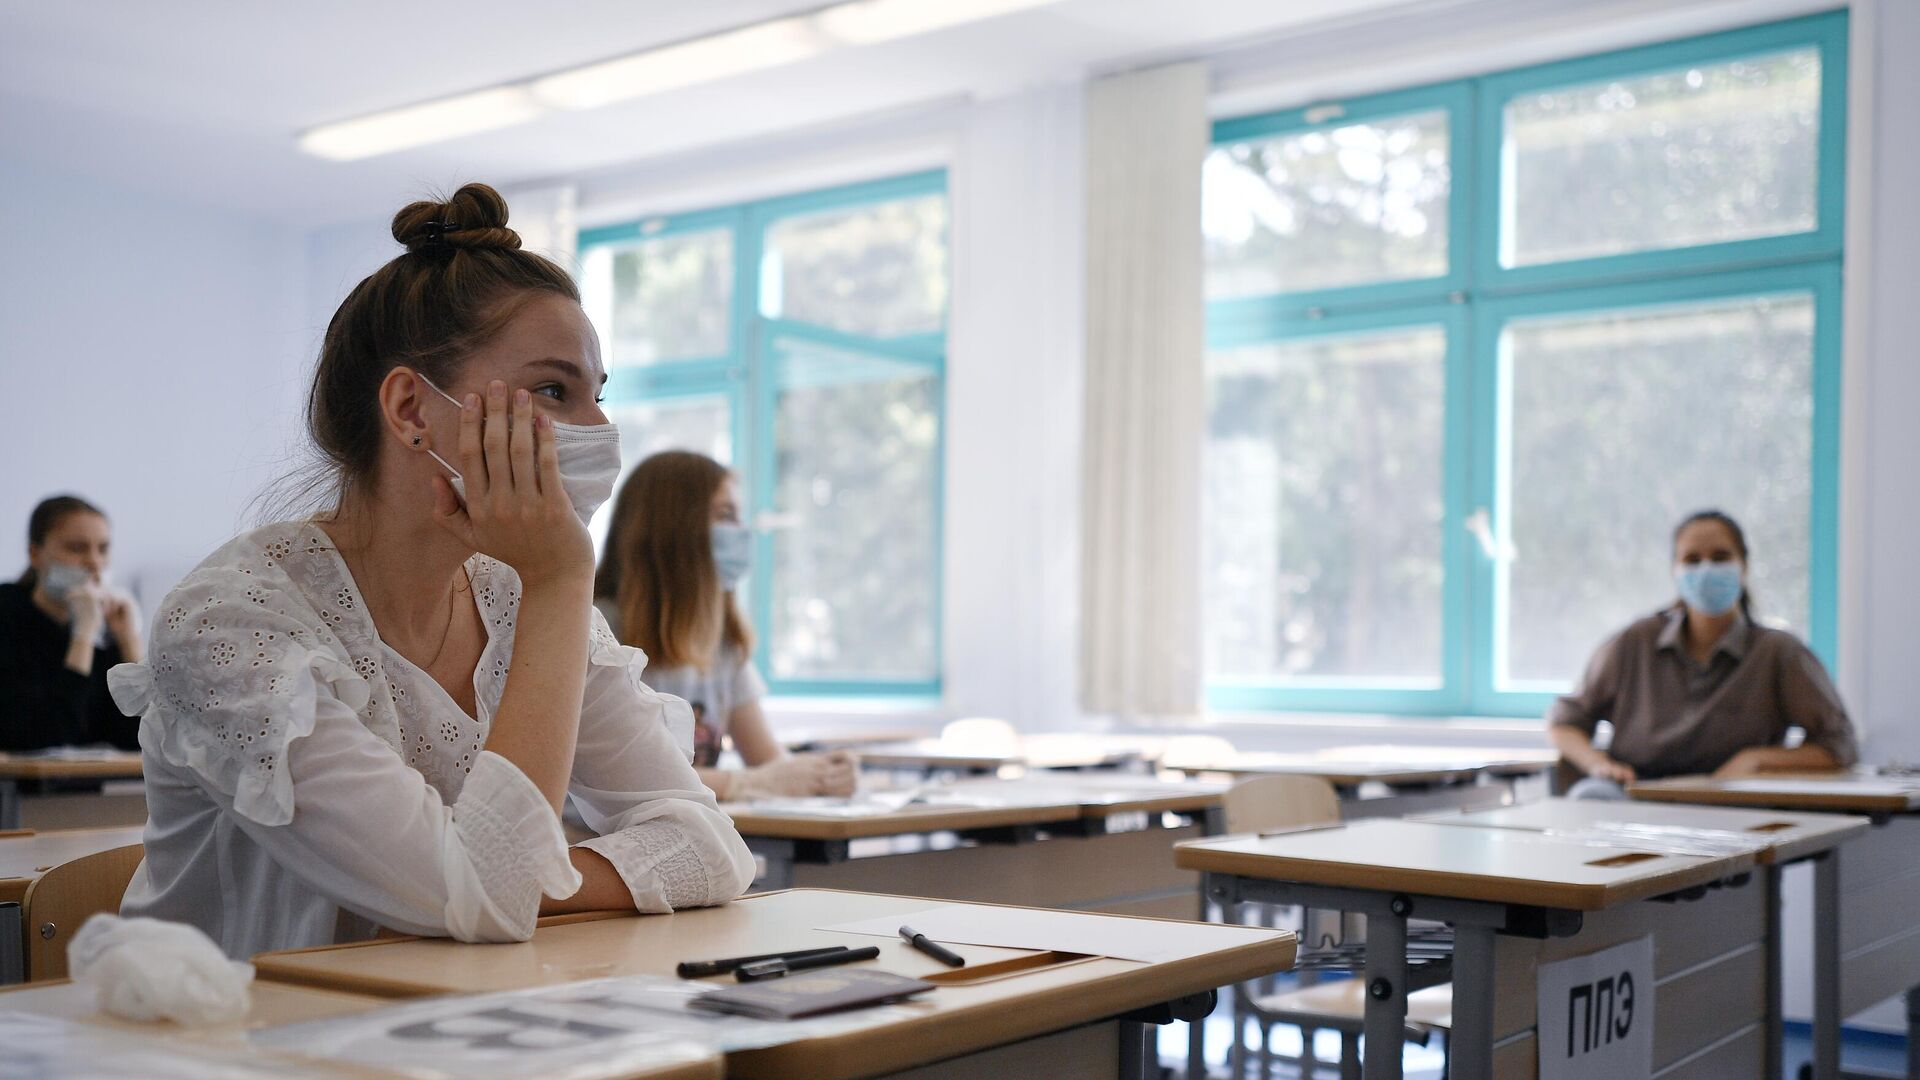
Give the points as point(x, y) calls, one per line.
point(1479, 296)
point(748, 377)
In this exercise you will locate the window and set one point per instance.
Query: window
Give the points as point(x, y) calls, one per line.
point(1474, 348)
point(802, 342)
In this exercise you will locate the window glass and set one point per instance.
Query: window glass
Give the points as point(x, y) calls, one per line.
point(1324, 505)
point(856, 497)
point(664, 298)
point(1696, 155)
point(1350, 205)
point(878, 270)
point(1624, 422)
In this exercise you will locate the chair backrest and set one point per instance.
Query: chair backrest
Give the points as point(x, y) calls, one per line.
point(1278, 802)
point(984, 733)
point(1189, 753)
point(65, 896)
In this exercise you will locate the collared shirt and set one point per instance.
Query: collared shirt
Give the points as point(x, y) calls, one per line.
point(1672, 715)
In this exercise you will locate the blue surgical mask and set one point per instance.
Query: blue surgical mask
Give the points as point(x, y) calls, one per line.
point(732, 553)
point(1711, 588)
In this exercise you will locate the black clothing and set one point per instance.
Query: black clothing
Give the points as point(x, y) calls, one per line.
point(42, 701)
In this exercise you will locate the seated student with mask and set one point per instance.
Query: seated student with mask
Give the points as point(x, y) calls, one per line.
point(675, 554)
point(61, 628)
point(369, 718)
point(1700, 687)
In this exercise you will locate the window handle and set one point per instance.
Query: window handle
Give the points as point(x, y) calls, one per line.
point(1480, 524)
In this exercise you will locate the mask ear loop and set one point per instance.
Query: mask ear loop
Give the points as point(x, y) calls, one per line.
point(430, 451)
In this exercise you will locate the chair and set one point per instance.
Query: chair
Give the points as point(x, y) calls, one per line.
point(1263, 804)
point(1191, 753)
point(980, 733)
point(65, 896)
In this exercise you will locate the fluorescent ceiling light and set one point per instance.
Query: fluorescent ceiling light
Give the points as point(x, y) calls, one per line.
point(416, 125)
point(707, 59)
point(864, 22)
point(670, 67)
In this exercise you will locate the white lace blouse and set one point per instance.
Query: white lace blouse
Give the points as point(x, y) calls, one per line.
point(308, 785)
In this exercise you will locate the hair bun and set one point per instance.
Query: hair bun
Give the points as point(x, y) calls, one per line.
point(474, 218)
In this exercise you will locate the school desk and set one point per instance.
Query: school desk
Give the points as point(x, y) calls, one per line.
point(1412, 787)
point(276, 1004)
point(1790, 836)
point(808, 738)
point(1011, 1012)
point(48, 783)
point(1866, 928)
point(22, 860)
point(1051, 750)
point(1093, 841)
point(1517, 901)
point(1490, 760)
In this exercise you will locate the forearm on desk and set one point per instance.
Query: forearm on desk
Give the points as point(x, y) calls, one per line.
point(601, 888)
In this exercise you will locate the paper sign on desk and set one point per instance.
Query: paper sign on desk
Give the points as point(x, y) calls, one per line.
point(583, 1031)
point(1596, 1014)
point(1148, 940)
point(46, 1046)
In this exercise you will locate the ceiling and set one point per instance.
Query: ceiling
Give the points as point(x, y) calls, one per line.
point(201, 99)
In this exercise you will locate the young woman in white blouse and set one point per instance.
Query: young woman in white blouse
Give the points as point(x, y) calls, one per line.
point(372, 717)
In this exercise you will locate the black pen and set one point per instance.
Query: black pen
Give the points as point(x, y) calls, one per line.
point(932, 948)
point(774, 969)
point(700, 969)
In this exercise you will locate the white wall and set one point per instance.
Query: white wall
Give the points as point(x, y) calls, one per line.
point(153, 352)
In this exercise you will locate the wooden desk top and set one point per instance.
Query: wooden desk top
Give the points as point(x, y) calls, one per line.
point(1839, 792)
point(284, 1003)
point(956, 1019)
point(1790, 836)
point(1500, 761)
point(847, 737)
point(1011, 809)
point(1046, 750)
point(1102, 793)
point(24, 858)
point(1341, 773)
point(1507, 866)
point(121, 766)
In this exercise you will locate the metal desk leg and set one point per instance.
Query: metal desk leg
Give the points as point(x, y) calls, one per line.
point(1774, 1031)
point(1386, 1023)
point(1913, 1034)
point(1470, 1041)
point(1826, 966)
point(13, 945)
point(1139, 1056)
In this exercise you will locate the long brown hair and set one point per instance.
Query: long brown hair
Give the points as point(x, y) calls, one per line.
point(460, 281)
point(658, 568)
point(46, 517)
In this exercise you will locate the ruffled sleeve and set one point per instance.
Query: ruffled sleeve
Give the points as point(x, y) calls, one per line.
point(659, 825)
point(233, 677)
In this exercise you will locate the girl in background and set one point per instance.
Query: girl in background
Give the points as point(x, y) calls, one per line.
point(675, 553)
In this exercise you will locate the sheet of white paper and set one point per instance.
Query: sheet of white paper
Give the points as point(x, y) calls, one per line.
point(1822, 787)
point(1062, 931)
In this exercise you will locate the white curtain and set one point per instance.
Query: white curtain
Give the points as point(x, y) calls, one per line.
point(1145, 397)
point(544, 218)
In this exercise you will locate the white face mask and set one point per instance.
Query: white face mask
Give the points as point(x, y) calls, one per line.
point(589, 461)
point(62, 578)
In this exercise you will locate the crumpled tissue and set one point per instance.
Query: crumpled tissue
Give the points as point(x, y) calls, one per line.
point(150, 969)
